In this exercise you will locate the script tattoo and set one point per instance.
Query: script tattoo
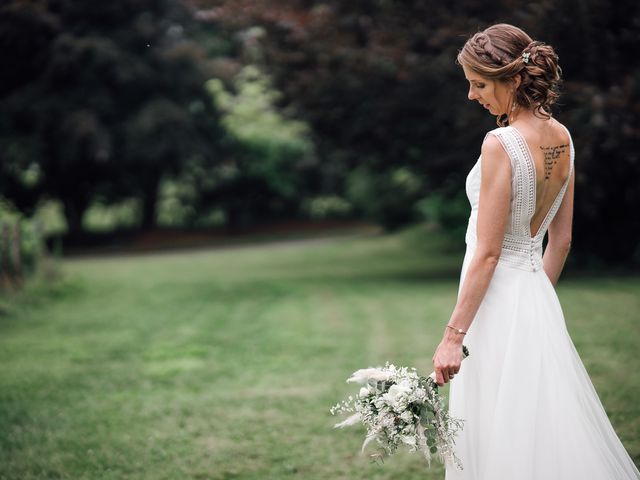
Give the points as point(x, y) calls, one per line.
point(551, 155)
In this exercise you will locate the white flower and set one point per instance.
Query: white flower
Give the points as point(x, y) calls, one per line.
point(397, 393)
point(407, 416)
point(386, 420)
point(379, 403)
point(409, 440)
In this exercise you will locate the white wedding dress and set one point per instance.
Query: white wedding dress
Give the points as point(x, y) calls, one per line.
point(530, 409)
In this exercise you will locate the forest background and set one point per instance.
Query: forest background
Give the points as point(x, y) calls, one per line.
point(125, 116)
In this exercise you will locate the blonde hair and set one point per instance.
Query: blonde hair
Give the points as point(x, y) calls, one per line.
point(496, 53)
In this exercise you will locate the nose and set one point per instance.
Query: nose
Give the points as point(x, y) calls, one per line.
point(472, 95)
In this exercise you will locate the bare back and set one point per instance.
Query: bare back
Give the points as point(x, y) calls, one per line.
point(549, 149)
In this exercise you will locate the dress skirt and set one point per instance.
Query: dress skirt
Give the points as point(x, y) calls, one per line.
point(530, 409)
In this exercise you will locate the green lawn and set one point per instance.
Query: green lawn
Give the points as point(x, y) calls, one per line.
point(223, 364)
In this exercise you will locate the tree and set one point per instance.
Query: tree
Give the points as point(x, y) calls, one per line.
point(113, 100)
point(265, 178)
point(377, 83)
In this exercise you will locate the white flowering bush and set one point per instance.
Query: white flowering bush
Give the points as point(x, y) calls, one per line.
point(399, 407)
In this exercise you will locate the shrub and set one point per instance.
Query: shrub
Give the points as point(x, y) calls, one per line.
point(386, 198)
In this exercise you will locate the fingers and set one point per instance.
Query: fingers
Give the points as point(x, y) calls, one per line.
point(444, 375)
point(446, 364)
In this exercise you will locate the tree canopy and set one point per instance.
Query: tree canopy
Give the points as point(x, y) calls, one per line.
point(260, 109)
point(377, 82)
point(102, 99)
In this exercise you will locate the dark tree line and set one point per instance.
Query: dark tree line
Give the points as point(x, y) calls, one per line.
point(100, 100)
point(377, 82)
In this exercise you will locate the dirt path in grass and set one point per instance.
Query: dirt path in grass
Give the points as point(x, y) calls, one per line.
point(172, 240)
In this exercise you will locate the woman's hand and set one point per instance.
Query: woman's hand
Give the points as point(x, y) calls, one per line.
point(447, 358)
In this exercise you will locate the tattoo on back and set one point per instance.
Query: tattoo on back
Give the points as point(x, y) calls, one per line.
point(551, 155)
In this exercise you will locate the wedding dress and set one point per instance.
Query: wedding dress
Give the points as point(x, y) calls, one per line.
point(530, 409)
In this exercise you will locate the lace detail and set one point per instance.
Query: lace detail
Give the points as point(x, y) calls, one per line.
point(519, 248)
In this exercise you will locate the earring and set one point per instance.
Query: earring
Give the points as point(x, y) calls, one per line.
point(513, 108)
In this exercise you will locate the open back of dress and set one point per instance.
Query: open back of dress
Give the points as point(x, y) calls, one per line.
point(520, 248)
point(552, 163)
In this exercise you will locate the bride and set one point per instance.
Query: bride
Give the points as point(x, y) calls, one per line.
point(530, 409)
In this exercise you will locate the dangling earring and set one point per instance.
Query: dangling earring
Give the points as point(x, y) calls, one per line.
point(513, 107)
point(500, 120)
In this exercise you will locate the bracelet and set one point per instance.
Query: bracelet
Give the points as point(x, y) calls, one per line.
point(457, 330)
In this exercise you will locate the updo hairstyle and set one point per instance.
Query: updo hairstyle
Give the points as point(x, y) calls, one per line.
point(496, 53)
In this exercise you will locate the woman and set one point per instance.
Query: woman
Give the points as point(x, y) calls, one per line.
point(530, 409)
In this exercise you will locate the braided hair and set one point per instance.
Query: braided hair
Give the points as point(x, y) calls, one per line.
point(503, 51)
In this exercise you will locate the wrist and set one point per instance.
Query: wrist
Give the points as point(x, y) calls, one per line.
point(456, 330)
point(451, 336)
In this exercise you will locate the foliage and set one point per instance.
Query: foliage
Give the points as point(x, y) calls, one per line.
point(377, 83)
point(101, 102)
point(50, 215)
point(327, 206)
point(30, 249)
point(272, 150)
point(450, 212)
point(387, 198)
point(105, 216)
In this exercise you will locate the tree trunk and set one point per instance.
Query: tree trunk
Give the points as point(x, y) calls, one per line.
point(149, 202)
point(5, 251)
point(73, 213)
point(16, 254)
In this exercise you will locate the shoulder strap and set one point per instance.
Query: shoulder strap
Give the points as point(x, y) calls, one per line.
point(522, 178)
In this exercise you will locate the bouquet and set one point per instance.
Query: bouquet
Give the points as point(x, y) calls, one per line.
point(397, 406)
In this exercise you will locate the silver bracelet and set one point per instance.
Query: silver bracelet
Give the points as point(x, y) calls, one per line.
point(457, 330)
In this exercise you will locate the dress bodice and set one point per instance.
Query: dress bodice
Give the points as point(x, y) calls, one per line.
point(520, 249)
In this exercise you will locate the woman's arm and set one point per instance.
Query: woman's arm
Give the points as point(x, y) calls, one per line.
point(559, 232)
point(493, 214)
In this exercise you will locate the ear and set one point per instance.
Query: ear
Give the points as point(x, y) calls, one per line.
point(517, 79)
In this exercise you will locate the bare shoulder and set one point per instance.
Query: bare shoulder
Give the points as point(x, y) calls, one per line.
point(563, 132)
point(559, 127)
point(549, 132)
point(494, 155)
point(558, 123)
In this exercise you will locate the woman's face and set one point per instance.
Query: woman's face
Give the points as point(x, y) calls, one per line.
point(491, 94)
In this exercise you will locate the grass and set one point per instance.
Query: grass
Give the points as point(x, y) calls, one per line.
point(223, 364)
